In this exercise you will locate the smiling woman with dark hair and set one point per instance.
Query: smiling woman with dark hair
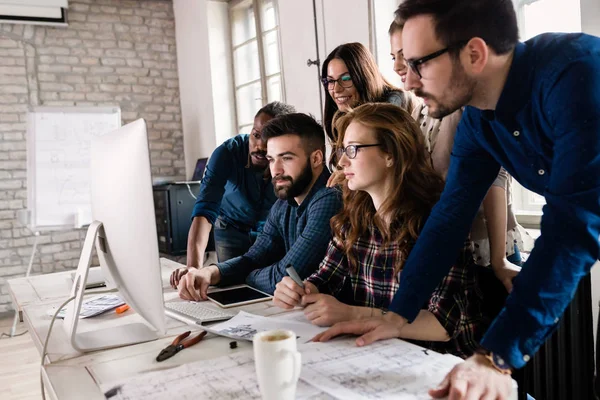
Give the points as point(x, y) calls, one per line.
point(351, 77)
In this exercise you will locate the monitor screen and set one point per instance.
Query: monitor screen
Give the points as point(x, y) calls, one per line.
point(199, 170)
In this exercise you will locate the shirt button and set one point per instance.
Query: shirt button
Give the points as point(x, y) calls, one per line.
point(516, 133)
point(556, 321)
point(500, 361)
point(541, 172)
point(526, 358)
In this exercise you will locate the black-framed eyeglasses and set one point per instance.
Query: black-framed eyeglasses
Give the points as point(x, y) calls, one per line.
point(415, 65)
point(344, 81)
point(351, 150)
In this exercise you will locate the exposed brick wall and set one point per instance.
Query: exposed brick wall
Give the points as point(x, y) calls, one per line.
point(113, 52)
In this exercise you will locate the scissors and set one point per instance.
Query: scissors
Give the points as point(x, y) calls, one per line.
point(179, 344)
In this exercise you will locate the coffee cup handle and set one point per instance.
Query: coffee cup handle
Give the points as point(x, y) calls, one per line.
point(296, 359)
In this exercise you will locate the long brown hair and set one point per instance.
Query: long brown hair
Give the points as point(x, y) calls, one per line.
point(366, 78)
point(416, 187)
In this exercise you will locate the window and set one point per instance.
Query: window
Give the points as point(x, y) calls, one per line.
point(535, 17)
point(256, 63)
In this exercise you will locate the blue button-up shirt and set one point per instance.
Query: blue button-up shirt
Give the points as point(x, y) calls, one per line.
point(293, 234)
point(545, 131)
point(232, 189)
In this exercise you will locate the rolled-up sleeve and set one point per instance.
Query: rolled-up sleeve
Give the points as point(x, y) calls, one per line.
point(217, 173)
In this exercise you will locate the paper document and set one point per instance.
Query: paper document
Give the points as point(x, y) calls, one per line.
point(93, 306)
point(390, 369)
point(245, 325)
point(226, 378)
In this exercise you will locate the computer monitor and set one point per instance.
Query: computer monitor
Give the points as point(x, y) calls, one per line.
point(124, 234)
point(199, 170)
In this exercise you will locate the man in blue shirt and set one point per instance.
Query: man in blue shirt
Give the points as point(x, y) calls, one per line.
point(235, 196)
point(533, 108)
point(297, 230)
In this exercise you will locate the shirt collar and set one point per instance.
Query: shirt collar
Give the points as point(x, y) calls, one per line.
point(321, 182)
point(517, 88)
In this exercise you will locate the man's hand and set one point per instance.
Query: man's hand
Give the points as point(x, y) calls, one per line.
point(177, 275)
point(326, 310)
point(474, 379)
point(288, 294)
point(506, 271)
point(195, 283)
point(371, 330)
point(337, 178)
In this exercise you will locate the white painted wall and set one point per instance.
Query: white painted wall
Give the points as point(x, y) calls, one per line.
point(590, 17)
point(221, 64)
point(345, 21)
point(297, 41)
point(383, 11)
point(193, 64)
point(338, 21)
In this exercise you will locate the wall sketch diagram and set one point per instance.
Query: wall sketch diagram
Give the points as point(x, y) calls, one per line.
point(58, 160)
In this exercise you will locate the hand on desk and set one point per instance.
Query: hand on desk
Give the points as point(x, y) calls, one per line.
point(474, 379)
point(177, 275)
point(194, 285)
point(371, 330)
point(326, 310)
point(288, 294)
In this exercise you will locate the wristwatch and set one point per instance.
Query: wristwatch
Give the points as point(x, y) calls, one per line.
point(496, 361)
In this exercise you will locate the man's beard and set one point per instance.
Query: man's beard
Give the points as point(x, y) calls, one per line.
point(457, 95)
point(258, 167)
point(298, 185)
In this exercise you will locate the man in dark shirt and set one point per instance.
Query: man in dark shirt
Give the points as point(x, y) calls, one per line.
point(235, 196)
point(533, 108)
point(297, 230)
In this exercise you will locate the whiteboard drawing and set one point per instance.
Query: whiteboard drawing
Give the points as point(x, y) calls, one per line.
point(58, 157)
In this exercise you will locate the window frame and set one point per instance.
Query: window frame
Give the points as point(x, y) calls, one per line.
point(260, 35)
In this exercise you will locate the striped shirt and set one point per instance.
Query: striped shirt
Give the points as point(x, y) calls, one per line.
point(456, 302)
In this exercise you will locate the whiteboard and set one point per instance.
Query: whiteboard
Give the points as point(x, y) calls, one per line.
point(58, 159)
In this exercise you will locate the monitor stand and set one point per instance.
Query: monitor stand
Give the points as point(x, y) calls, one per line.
point(98, 339)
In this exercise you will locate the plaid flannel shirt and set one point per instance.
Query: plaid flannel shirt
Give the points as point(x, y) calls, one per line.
point(456, 302)
point(293, 234)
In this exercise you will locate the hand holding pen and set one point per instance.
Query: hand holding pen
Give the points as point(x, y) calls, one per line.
point(289, 292)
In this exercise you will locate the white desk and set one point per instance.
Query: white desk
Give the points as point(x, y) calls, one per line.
point(73, 375)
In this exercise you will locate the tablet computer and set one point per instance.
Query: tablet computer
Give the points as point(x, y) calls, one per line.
point(237, 296)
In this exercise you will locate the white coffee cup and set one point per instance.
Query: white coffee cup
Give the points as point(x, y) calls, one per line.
point(277, 363)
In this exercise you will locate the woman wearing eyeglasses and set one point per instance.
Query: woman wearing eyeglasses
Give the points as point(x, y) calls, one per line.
point(497, 238)
point(389, 190)
point(351, 77)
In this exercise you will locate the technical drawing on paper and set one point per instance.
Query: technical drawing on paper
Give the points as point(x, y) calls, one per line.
point(391, 369)
point(230, 377)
